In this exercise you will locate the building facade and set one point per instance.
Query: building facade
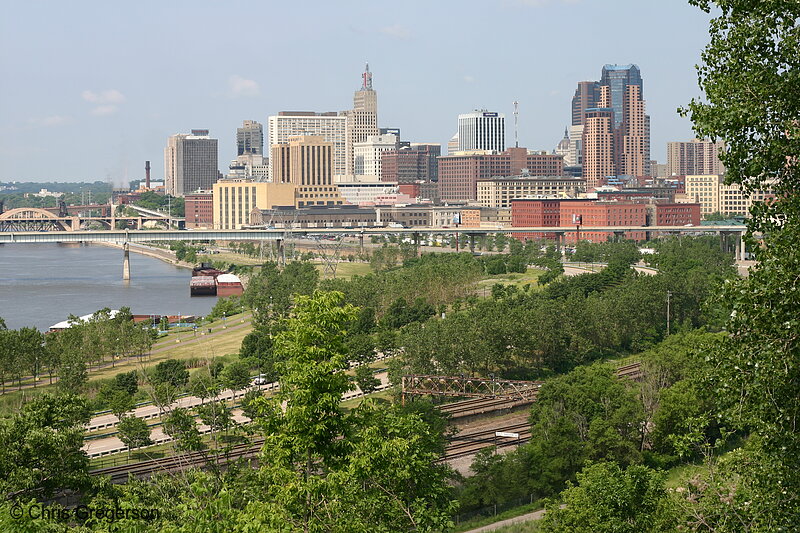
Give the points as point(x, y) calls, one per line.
point(307, 162)
point(233, 200)
point(459, 173)
point(362, 120)
point(498, 192)
point(199, 210)
point(190, 163)
point(694, 157)
point(482, 130)
point(417, 162)
point(587, 96)
point(367, 156)
point(250, 138)
point(331, 126)
point(714, 196)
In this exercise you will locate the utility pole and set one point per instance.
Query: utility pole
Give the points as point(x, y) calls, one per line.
point(669, 294)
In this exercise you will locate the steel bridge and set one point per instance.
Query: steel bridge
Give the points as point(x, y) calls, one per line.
point(31, 219)
point(470, 387)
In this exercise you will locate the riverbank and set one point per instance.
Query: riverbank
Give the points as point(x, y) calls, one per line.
point(167, 256)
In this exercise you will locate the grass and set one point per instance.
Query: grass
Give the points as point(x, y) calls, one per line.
point(511, 513)
point(345, 270)
point(521, 280)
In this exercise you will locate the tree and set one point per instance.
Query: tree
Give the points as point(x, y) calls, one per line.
point(118, 401)
point(217, 416)
point(750, 75)
point(40, 447)
point(134, 433)
point(127, 381)
point(236, 375)
point(323, 469)
point(609, 499)
point(181, 426)
point(366, 380)
point(171, 371)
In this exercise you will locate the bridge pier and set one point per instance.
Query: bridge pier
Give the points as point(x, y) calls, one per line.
point(126, 262)
point(415, 238)
point(361, 242)
point(281, 252)
point(471, 243)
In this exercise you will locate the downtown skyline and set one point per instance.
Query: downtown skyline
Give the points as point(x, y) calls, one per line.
point(103, 92)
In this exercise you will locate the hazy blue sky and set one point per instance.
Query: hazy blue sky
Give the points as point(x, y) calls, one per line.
point(90, 90)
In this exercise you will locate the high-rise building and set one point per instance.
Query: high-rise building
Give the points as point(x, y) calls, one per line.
point(331, 126)
point(598, 145)
point(234, 200)
point(415, 163)
point(250, 138)
point(306, 162)
point(367, 156)
point(694, 157)
point(362, 120)
point(586, 97)
point(482, 130)
point(452, 144)
point(190, 163)
point(616, 133)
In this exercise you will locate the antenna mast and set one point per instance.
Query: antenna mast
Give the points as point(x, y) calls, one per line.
point(516, 124)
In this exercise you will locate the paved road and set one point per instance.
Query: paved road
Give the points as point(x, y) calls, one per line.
point(536, 515)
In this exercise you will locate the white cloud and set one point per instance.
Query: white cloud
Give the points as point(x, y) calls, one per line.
point(107, 101)
point(469, 79)
point(397, 31)
point(51, 121)
point(110, 96)
point(240, 86)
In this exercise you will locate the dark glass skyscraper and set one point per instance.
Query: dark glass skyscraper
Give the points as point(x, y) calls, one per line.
point(617, 78)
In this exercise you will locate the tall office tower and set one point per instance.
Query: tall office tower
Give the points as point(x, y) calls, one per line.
point(306, 162)
point(631, 124)
point(362, 120)
point(190, 163)
point(694, 158)
point(367, 156)
point(410, 164)
point(250, 138)
point(598, 141)
point(482, 130)
point(331, 126)
point(587, 95)
point(574, 157)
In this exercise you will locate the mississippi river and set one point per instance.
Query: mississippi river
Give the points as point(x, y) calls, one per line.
point(41, 284)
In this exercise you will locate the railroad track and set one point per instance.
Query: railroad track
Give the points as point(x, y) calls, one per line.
point(466, 444)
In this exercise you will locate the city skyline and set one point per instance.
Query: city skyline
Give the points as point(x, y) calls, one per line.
point(102, 92)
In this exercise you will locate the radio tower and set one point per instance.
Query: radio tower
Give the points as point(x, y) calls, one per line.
point(516, 128)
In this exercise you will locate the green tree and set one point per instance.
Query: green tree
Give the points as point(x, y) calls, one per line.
point(127, 381)
point(217, 416)
point(366, 380)
point(236, 375)
point(749, 75)
point(134, 433)
point(171, 371)
point(118, 401)
point(326, 470)
point(181, 426)
point(608, 499)
point(40, 447)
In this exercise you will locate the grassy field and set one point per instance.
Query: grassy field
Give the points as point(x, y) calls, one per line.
point(345, 270)
point(520, 280)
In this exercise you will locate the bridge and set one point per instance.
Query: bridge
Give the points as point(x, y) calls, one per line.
point(32, 219)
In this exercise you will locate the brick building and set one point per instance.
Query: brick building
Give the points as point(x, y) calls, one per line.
point(460, 172)
point(418, 162)
point(199, 210)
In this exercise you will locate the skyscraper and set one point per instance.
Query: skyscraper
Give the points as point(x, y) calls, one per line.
point(482, 130)
point(694, 157)
point(618, 78)
point(250, 138)
point(331, 126)
point(306, 162)
point(586, 97)
point(362, 120)
point(190, 163)
point(616, 135)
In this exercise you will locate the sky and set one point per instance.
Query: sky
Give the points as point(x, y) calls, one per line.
point(90, 90)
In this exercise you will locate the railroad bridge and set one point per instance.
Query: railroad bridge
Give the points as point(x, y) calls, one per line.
point(470, 387)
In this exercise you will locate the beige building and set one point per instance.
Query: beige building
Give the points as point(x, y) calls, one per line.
point(498, 192)
point(694, 157)
point(367, 156)
point(233, 200)
point(331, 126)
point(362, 120)
point(307, 163)
point(714, 196)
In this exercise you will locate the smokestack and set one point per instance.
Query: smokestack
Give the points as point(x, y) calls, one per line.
point(147, 174)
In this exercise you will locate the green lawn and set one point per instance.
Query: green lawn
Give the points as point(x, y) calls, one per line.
point(344, 270)
point(520, 280)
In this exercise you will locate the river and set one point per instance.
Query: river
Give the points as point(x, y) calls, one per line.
point(42, 284)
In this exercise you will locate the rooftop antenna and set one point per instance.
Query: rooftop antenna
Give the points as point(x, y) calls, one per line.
point(516, 124)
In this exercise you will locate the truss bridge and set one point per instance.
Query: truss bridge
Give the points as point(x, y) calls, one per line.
point(470, 387)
